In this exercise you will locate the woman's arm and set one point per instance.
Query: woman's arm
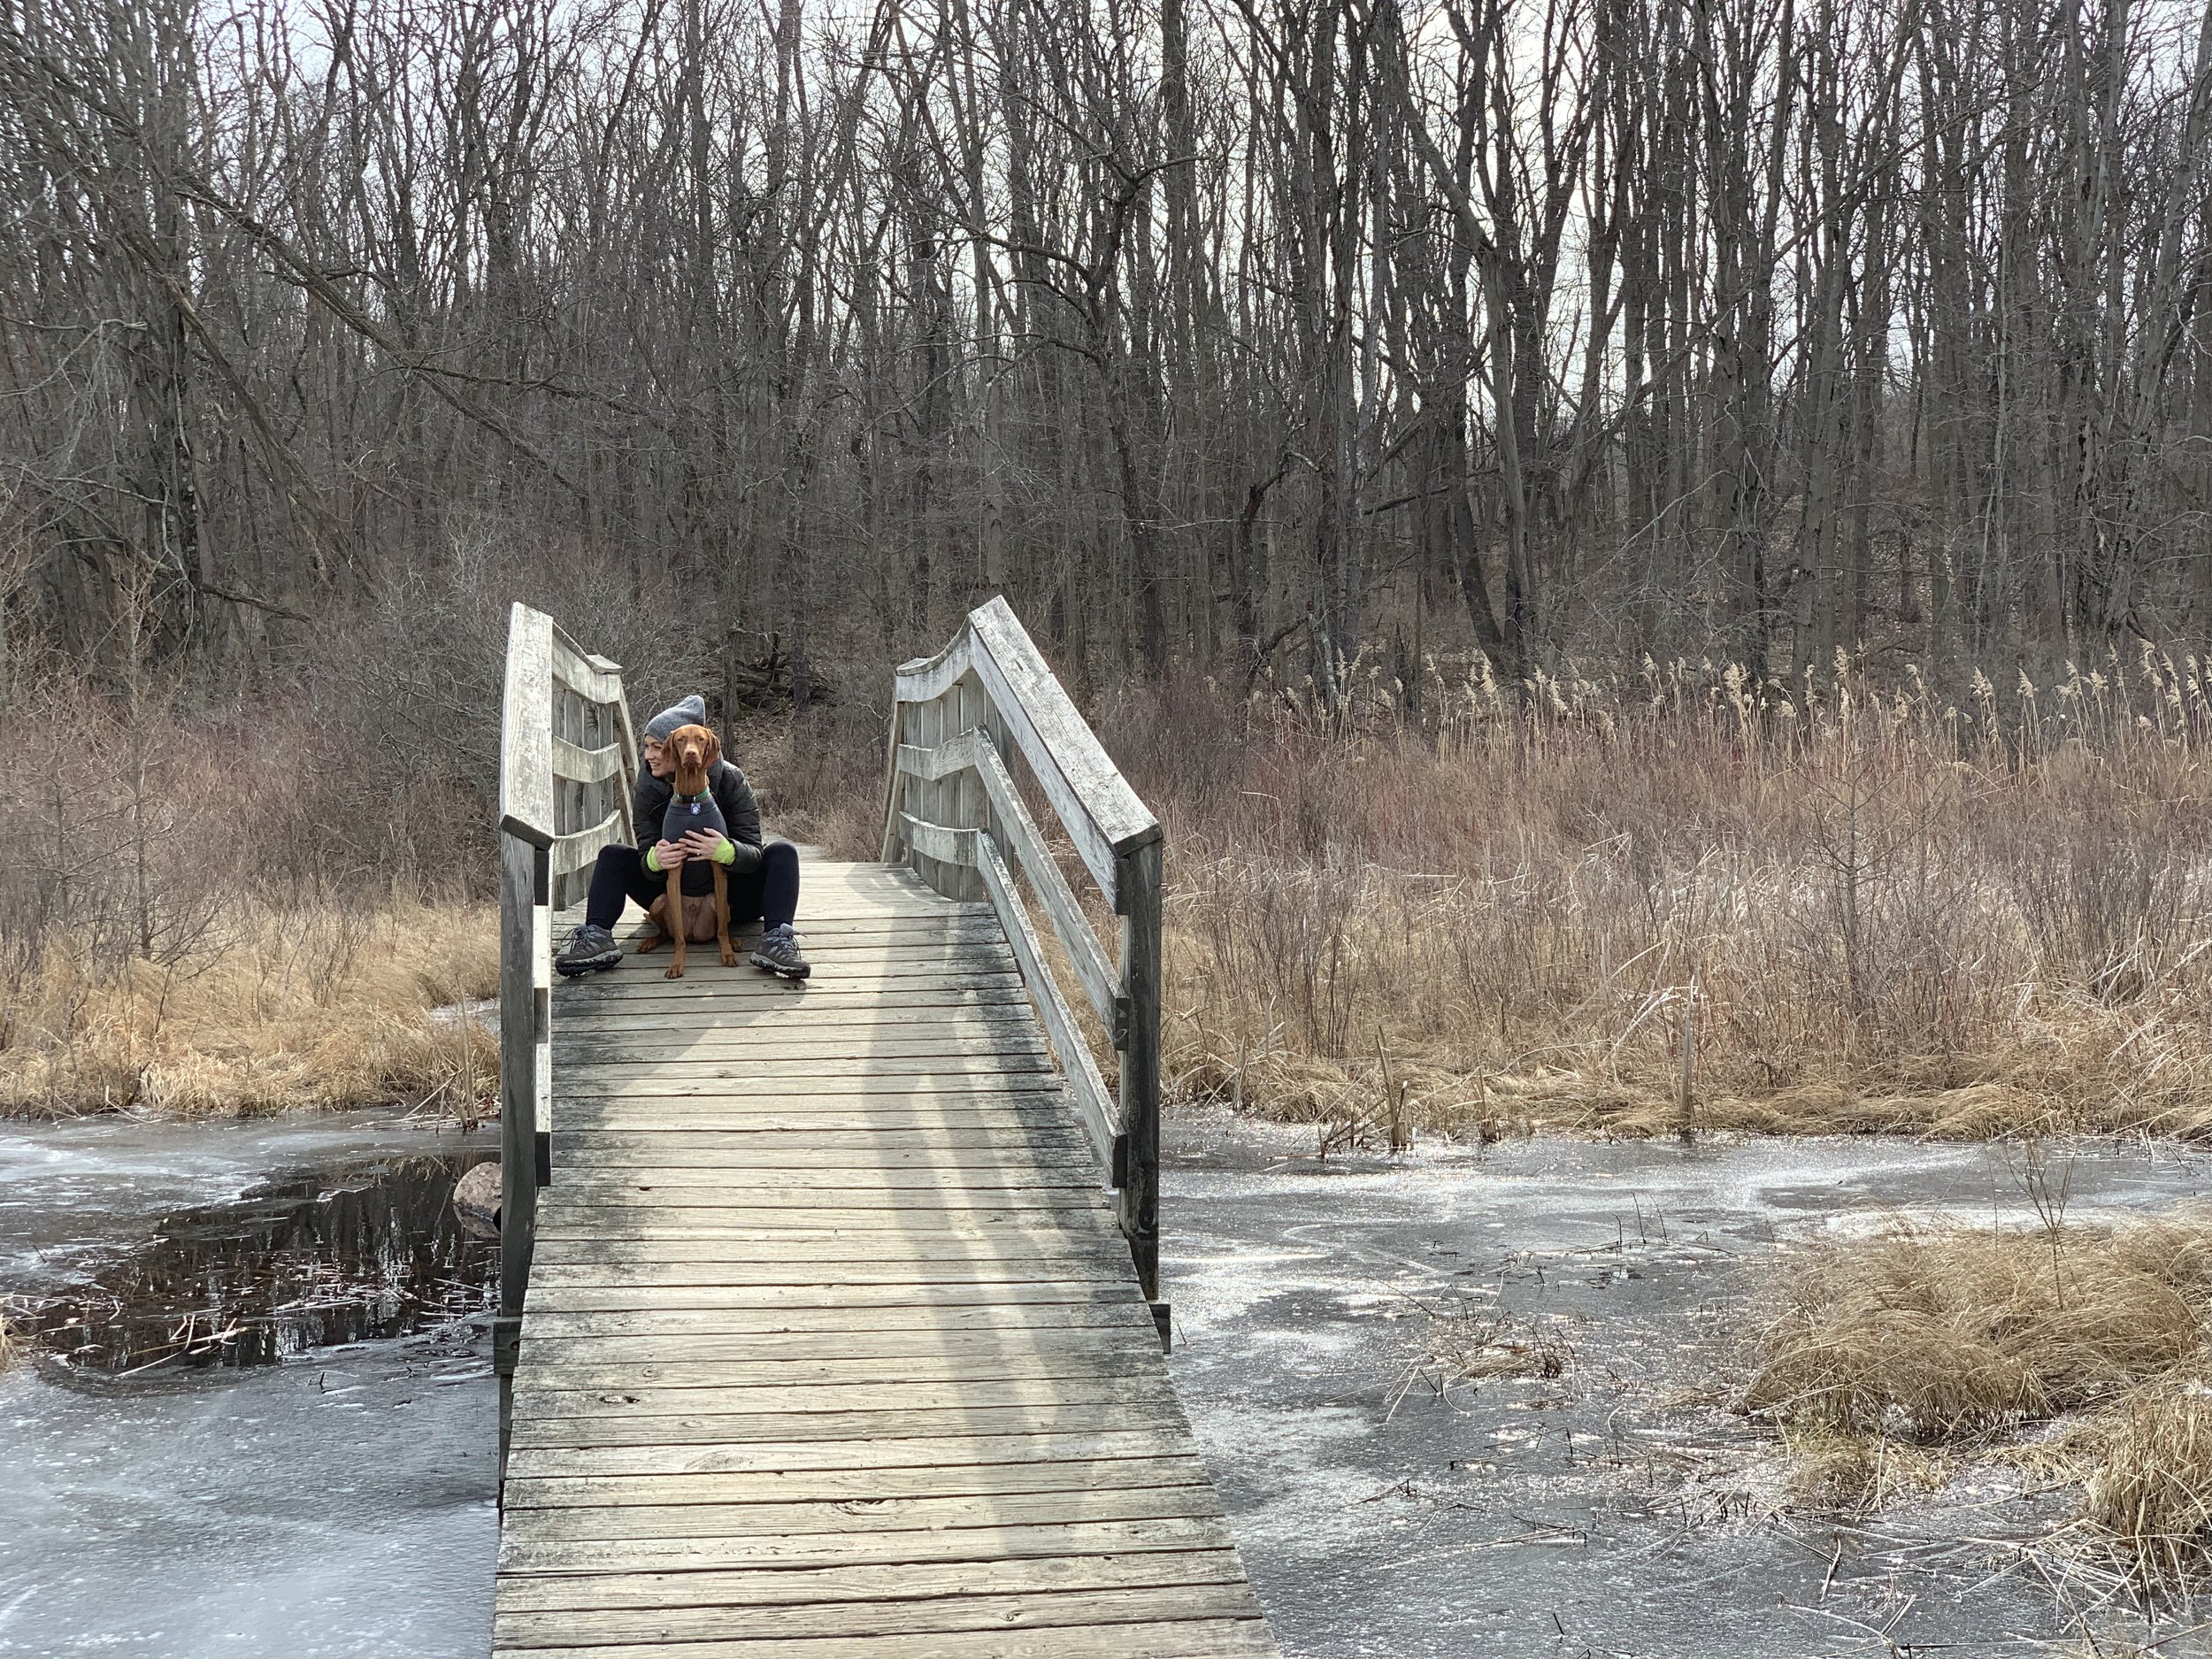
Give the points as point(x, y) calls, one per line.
point(742, 812)
point(649, 804)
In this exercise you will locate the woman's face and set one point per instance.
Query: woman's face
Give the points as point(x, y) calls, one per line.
point(656, 759)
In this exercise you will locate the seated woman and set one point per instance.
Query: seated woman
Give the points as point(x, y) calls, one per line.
point(763, 881)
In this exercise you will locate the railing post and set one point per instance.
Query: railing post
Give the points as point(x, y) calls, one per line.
point(894, 789)
point(524, 871)
point(1137, 881)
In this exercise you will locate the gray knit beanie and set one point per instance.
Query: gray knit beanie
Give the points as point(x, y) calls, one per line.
point(691, 712)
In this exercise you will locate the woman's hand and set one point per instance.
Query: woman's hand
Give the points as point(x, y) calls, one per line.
point(704, 843)
point(671, 855)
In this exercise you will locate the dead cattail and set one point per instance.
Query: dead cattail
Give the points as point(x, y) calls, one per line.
point(1469, 1344)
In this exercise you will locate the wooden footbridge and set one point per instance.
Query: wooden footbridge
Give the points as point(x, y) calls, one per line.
point(830, 1324)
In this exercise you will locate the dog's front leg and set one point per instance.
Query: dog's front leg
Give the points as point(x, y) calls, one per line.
point(722, 916)
point(676, 928)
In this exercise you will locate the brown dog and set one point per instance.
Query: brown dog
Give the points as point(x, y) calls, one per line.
point(694, 749)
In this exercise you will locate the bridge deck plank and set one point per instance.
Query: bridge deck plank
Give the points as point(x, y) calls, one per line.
point(833, 1348)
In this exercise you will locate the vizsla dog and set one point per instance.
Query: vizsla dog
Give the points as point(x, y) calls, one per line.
point(694, 750)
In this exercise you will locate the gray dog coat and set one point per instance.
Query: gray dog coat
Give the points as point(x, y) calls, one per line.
point(683, 817)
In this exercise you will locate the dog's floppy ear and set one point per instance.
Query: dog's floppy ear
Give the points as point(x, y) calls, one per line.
point(714, 747)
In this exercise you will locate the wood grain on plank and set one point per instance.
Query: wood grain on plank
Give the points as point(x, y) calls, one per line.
point(1038, 1610)
point(1193, 1639)
point(788, 1458)
point(853, 1435)
point(748, 1392)
point(765, 1146)
point(1093, 1312)
point(819, 1586)
point(884, 1515)
point(539, 1558)
point(963, 1477)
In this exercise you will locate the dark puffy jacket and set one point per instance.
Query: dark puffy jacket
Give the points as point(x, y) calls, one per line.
point(739, 811)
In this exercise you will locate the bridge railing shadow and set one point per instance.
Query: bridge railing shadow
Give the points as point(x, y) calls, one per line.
point(952, 812)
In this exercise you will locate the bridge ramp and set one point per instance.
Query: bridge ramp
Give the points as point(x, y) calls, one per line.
point(831, 1347)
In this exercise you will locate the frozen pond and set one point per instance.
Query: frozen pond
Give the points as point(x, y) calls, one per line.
point(1617, 1509)
point(312, 1474)
point(262, 1489)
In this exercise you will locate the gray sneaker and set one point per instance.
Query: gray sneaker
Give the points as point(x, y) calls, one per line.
point(588, 947)
point(779, 953)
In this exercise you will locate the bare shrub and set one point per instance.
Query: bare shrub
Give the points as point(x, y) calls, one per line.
point(199, 914)
point(818, 774)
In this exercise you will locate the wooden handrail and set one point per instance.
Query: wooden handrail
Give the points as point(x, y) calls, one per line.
point(567, 765)
point(1096, 804)
point(951, 810)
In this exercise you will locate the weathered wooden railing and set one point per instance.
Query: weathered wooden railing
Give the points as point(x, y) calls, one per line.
point(567, 761)
point(952, 812)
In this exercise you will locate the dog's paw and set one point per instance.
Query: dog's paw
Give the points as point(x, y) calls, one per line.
point(729, 958)
point(674, 971)
point(654, 944)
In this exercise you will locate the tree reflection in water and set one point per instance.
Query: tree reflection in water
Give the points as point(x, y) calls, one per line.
point(303, 1261)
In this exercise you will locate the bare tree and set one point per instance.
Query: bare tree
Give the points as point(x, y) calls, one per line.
point(1770, 328)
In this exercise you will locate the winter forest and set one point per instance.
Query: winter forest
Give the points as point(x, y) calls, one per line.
point(1228, 334)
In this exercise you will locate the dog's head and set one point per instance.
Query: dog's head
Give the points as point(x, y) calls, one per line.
point(694, 749)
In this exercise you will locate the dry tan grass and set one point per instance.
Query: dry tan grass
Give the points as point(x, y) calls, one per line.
point(272, 1009)
point(1683, 903)
point(1885, 1361)
point(2149, 1484)
point(1940, 1336)
point(213, 909)
point(1830, 1470)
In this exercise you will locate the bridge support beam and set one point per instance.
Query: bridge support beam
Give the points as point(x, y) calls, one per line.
point(1137, 880)
point(523, 876)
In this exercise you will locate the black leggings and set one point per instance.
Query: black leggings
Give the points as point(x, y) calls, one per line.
point(769, 892)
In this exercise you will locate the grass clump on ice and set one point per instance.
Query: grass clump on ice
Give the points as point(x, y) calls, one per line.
point(1463, 1346)
point(1886, 1362)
